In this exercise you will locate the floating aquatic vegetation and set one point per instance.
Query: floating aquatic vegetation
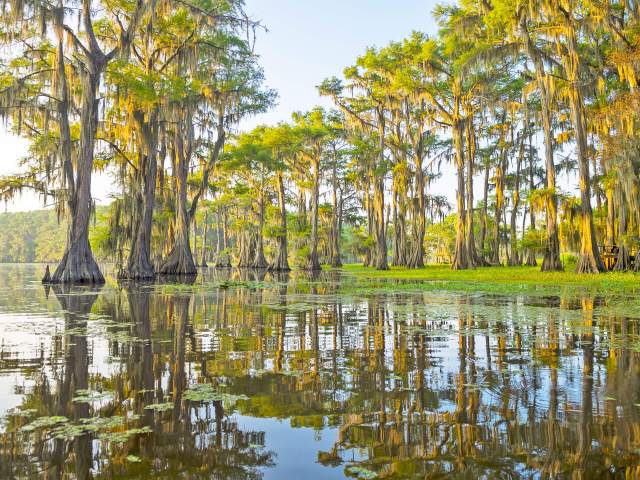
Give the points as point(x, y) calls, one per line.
point(90, 396)
point(61, 428)
point(122, 437)
point(123, 337)
point(68, 431)
point(291, 307)
point(360, 472)
point(160, 407)
point(16, 412)
point(44, 422)
point(251, 285)
point(77, 331)
point(206, 393)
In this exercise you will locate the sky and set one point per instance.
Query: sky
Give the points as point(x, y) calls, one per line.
point(306, 42)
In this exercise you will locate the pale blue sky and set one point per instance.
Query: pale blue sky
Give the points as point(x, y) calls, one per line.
point(307, 42)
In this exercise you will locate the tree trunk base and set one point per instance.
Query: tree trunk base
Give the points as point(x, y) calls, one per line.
point(483, 262)
point(223, 261)
point(531, 260)
point(279, 268)
point(382, 265)
point(623, 262)
point(551, 263)
point(260, 263)
point(179, 262)
point(461, 260)
point(47, 276)
point(416, 261)
point(78, 267)
point(281, 263)
point(138, 270)
point(311, 267)
point(587, 263)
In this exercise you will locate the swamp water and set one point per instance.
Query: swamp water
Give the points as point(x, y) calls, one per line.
point(248, 376)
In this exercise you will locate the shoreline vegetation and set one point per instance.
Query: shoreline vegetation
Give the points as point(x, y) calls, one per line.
point(440, 277)
point(501, 279)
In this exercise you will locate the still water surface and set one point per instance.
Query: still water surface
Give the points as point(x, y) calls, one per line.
point(244, 375)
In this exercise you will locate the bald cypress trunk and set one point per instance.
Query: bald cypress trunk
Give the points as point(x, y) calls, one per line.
point(281, 263)
point(369, 256)
point(514, 257)
point(623, 260)
point(531, 260)
point(461, 257)
point(140, 265)
point(380, 252)
point(551, 261)
point(416, 258)
point(501, 170)
point(205, 231)
point(474, 258)
point(485, 208)
point(589, 260)
point(335, 259)
point(378, 201)
point(78, 264)
point(180, 259)
point(260, 261)
point(313, 263)
point(223, 259)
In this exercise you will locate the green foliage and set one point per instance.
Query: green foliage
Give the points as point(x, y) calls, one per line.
point(31, 237)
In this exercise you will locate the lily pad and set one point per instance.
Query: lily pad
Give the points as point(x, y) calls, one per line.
point(160, 407)
point(44, 422)
point(205, 393)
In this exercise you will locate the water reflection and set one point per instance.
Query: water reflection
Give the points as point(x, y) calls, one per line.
point(246, 375)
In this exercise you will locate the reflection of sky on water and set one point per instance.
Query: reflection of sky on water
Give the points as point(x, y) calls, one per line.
point(428, 383)
point(296, 449)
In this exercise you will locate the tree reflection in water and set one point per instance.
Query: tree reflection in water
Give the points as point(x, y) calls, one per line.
point(402, 385)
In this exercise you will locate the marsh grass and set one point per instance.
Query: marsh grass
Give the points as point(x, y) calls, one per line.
point(490, 279)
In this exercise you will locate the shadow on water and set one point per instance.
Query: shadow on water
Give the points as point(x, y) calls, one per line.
point(252, 374)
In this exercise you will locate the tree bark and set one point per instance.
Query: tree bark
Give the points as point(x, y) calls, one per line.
point(205, 231)
point(501, 170)
point(78, 264)
point(531, 260)
point(589, 260)
point(180, 259)
point(551, 261)
point(260, 262)
point(223, 259)
point(514, 257)
point(140, 266)
point(485, 208)
point(378, 198)
point(335, 261)
point(281, 263)
point(416, 259)
point(313, 263)
point(623, 260)
point(472, 253)
point(461, 257)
